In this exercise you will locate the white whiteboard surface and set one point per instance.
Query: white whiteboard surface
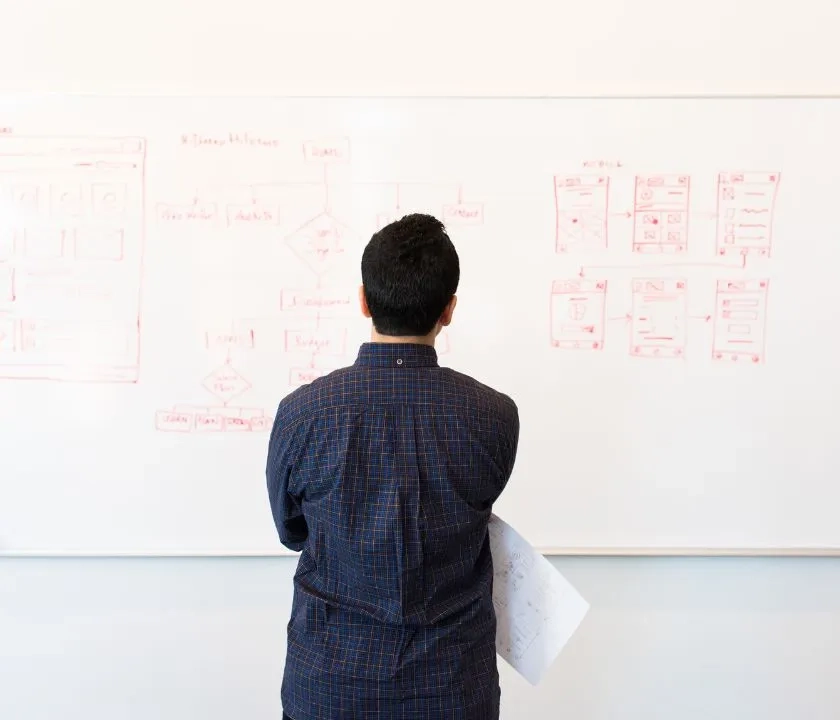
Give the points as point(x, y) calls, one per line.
point(381, 47)
point(651, 280)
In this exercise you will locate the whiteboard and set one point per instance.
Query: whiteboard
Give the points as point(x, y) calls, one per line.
point(651, 280)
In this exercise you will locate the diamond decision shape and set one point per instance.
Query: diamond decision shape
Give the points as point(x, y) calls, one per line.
point(226, 383)
point(321, 243)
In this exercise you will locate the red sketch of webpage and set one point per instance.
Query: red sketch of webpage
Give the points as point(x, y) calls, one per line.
point(661, 214)
point(740, 320)
point(746, 208)
point(578, 314)
point(581, 207)
point(71, 251)
point(658, 318)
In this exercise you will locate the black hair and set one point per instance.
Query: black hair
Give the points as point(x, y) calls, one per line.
point(410, 272)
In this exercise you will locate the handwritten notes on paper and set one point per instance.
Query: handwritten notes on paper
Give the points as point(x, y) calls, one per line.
point(537, 610)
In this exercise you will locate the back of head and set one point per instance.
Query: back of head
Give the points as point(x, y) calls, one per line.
point(410, 273)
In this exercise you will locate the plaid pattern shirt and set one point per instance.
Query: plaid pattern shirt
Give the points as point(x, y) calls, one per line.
point(383, 474)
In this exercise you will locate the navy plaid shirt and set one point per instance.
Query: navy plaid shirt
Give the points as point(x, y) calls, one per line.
point(383, 474)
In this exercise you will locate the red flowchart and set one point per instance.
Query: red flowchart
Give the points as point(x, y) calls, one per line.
point(225, 384)
point(310, 317)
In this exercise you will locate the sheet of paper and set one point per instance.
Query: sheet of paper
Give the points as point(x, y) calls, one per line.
point(537, 609)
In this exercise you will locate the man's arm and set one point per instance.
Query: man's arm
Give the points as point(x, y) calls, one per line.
point(510, 439)
point(507, 443)
point(280, 468)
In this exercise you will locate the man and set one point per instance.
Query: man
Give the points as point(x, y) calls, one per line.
point(383, 474)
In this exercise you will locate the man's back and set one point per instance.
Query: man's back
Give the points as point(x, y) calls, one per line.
point(384, 475)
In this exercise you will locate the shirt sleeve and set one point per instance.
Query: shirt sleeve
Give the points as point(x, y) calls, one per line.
point(286, 506)
point(511, 439)
point(508, 443)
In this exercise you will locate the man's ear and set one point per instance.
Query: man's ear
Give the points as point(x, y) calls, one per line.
point(363, 302)
point(446, 317)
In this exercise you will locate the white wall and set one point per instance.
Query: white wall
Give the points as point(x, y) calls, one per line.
point(472, 47)
point(666, 639)
point(181, 638)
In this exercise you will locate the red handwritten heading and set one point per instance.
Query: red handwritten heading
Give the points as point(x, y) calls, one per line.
point(197, 212)
point(314, 299)
point(603, 164)
point(231, 139)
point(327, 150)
point(464, 214)
point(253, 214)
point(315, 341)
point(226, 339)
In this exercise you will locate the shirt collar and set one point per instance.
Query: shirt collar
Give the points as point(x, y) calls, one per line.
point(397, 354)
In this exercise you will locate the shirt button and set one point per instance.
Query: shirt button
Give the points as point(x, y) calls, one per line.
point(399, 361)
